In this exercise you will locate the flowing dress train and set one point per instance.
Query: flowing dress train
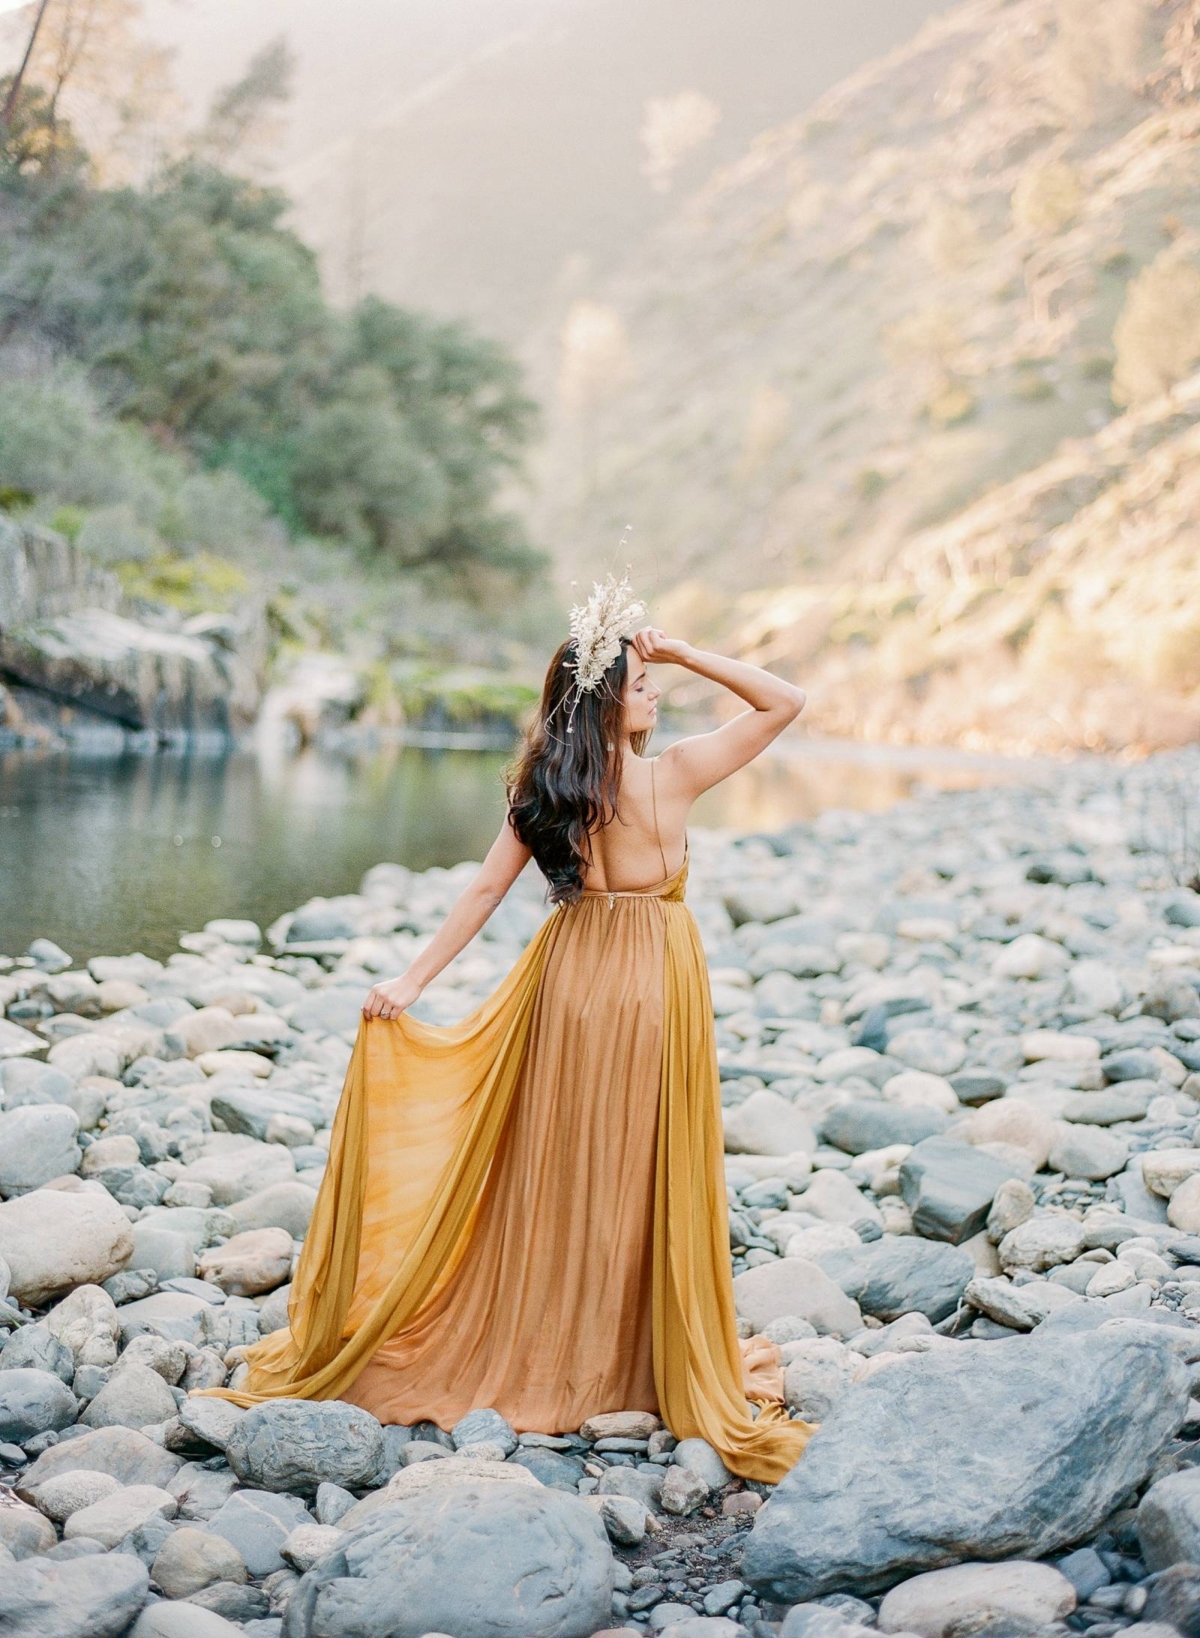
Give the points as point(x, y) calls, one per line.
point(527, 1210)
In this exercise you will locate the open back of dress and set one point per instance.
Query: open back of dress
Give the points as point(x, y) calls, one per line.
point(527, 1210)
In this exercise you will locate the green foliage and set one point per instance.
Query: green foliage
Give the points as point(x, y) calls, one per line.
point(193, 585)
point(109, 486)
point(193, 313)
point(463, 696)
point(243, 111)
point(56, 441)
point(68, 521)
point(33, 142)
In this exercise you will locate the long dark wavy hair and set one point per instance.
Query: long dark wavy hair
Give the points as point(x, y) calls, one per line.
point(563, 786)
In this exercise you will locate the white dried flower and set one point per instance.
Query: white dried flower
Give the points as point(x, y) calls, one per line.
point(597, 627)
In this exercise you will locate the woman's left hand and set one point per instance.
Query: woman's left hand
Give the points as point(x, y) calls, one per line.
point(390, 999)
point(653, 644)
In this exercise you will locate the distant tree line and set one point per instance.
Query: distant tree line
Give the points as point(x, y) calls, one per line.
point(190, 316)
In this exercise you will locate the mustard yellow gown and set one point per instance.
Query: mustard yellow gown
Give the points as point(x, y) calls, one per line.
point(527, 1210)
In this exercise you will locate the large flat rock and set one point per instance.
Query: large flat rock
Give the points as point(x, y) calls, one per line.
point(492, 1560)
point(973, 1451)
point(902, 1274)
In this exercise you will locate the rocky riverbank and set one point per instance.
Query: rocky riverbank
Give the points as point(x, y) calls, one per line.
point(960, 1060)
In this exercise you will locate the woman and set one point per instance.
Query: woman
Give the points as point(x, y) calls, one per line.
point(527, 1210)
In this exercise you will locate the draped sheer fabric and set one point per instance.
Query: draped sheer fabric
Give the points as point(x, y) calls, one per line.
point(527, 1209)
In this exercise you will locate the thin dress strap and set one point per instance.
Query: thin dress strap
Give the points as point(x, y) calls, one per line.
point(658, 836)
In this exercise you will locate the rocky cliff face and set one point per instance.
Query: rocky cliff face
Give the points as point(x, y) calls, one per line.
point(42, 575)
point(74, 665)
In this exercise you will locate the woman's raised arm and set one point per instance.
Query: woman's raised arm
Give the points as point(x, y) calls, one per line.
point(703, 760)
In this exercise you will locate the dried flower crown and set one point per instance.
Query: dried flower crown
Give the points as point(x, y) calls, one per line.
point(597, 627)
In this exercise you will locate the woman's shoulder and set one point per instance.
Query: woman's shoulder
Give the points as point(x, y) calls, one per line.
point(670, 761)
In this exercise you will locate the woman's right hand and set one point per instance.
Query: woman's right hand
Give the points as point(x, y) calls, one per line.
point(390, 999)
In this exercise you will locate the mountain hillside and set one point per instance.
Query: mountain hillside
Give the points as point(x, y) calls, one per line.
point(471, 158)
point(884, 401)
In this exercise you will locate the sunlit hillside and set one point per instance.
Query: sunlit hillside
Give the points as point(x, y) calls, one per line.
point(884, 400)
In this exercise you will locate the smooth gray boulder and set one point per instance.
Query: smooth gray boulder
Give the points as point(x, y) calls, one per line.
point(24, 1532)
point(949, 1187)
point(1173, 1603)
point(645, 1487)
point(71, 1492)
point(974, 1451)
point(24, 1081)
point(37, 1142)
point(795, 1286)
point(902, 1274)
point(549, 1467)
point(287, 1205)
point(127, 1455)
point(201, 1492)
point(700, 1457)
point(297, 1444)
point(169, 1255)
point(54, 1240)
point(134, 1397)
point(1168, 1520)
point(249, 1109)
point(484, 1425)
point(191, 1559)
point(257, 1523)
point(238, 1171)
point(173, 1315)
point(703, 1626)
point(36, 1347)
point(92, 1597)
point(867, 1123)
point(183, 1620)
point(32, 1402)
point(209, 1421)
point(539, 1563)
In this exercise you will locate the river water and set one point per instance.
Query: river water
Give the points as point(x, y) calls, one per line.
point(115, 853)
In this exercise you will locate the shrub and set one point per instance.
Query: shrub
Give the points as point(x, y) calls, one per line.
point(1157, 335)
point(1046, 199)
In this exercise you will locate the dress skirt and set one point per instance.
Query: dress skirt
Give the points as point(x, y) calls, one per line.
point(527, 1210)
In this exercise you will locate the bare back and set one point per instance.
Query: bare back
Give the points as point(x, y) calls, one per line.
point(647, 841)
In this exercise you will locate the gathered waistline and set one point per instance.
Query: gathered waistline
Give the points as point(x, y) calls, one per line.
point(651, 892)
point(667, 894)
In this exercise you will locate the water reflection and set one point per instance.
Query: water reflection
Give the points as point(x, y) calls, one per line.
point(118, 853)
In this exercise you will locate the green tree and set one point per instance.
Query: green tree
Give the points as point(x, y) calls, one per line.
point(244, 118)
point(199, 316)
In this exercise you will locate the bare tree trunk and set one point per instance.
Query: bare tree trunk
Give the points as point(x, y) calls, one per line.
point(14, 90)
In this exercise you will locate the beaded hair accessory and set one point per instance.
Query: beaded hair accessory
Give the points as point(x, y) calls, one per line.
point(597, 627)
